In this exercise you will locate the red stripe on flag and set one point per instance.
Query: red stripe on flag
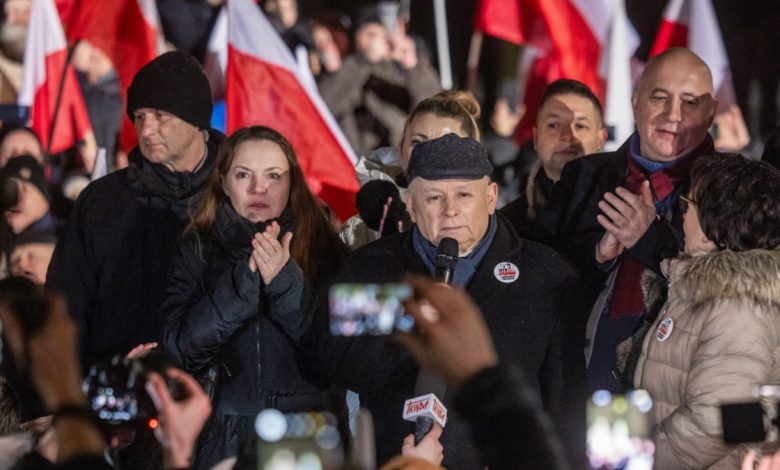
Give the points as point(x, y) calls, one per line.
point(500, 19)
point(72, 118)
point(574, 44)
point(259, 93)
point(670, 34)
point(119, 28)
point(567, 49)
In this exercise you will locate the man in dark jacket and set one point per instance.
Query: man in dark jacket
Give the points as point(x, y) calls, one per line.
point(518, 285)
point(112, 260)
point(618, 213)
point(568, 125)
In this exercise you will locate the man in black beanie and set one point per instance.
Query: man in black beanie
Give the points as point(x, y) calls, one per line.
point(112, 259)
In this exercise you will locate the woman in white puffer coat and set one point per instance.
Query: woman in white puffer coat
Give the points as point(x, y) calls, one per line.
point(718, 333)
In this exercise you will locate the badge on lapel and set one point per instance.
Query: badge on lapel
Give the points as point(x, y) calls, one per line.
point(664, 330)
point(506, 272)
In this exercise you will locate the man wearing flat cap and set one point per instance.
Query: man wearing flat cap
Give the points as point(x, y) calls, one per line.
point(112, 260)
point(525, 291)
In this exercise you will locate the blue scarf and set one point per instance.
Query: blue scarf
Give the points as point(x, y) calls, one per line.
point(467, 265)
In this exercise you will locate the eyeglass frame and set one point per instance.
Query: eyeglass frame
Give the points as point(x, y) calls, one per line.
point(687, 202)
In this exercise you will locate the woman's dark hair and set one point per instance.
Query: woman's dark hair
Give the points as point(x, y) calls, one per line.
point(10, 409)
point(315, 245)
point(737, 201)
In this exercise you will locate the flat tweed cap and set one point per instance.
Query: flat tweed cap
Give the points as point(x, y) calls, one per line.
point(449, 158)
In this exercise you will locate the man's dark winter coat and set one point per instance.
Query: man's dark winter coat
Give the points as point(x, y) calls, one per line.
point(574, 207)
point(112, 259)
point(534, 321)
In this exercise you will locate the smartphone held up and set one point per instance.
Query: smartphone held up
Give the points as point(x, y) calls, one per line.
point(369, 309)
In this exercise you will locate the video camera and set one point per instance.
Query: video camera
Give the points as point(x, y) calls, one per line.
point(116, 394)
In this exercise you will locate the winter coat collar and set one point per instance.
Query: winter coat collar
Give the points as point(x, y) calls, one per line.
point(748, 275)
point(153, 179)
point(235, 233)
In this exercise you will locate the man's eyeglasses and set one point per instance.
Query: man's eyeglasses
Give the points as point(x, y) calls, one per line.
point(685, 202)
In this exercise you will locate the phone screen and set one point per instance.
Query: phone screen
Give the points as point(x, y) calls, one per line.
point(369, 309)
point(619, 431)
point(114, 405)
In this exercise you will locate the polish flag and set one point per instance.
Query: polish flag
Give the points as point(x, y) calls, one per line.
point(617, 55)
point(46, 76)
point(265, 86)
point(567, 39)
point(128, 31)
point(694, 24)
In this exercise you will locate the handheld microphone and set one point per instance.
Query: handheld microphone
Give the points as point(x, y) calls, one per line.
point(425, 410)
point(446, 259)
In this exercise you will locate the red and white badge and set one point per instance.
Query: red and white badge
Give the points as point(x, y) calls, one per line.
point(506, 272)
point(665, 329)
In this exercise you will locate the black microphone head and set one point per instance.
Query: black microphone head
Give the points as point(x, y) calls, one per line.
point(447, 254)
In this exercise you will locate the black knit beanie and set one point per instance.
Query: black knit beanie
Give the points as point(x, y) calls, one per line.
point(26, 168)
point(173, 82)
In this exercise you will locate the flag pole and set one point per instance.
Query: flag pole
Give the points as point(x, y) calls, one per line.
point(442, 43)
point(60, 90)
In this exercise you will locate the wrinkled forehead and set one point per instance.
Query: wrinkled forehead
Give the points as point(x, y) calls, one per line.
point(679, 73)
point(421, 185)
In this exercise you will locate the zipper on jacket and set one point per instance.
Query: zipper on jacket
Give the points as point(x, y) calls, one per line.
point(258, 381)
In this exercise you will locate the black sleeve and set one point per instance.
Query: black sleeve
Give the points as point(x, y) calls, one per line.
point(660, 239)
point(73, 271)
point(93, 462)
point(362, 364)
point(563, 380)
point(509, 425)
point(197, 323)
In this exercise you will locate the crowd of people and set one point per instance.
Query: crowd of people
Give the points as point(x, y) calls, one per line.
point(202, 269)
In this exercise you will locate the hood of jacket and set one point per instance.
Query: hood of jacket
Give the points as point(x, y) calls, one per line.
point(752, 275)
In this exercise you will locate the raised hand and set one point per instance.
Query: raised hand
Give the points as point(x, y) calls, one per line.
point(180, 421)
point(627, 215)
point(269, 255)
point(451, 337)
point(429, 448)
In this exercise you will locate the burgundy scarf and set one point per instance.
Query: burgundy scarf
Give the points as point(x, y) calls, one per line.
point(627, 299)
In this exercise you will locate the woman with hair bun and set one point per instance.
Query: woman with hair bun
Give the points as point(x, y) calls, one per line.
point(443, 113)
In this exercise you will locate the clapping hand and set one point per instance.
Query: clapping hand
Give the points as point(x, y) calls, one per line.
point(269, 255)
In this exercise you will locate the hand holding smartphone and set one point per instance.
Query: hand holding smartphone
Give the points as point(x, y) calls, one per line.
point(369, 309)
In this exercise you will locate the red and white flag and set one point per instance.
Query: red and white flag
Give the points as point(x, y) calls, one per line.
point(128, 31)
point(264, 86)
point(620, 44)
point(568, 39)
point(46, 77)
point(694, 24)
